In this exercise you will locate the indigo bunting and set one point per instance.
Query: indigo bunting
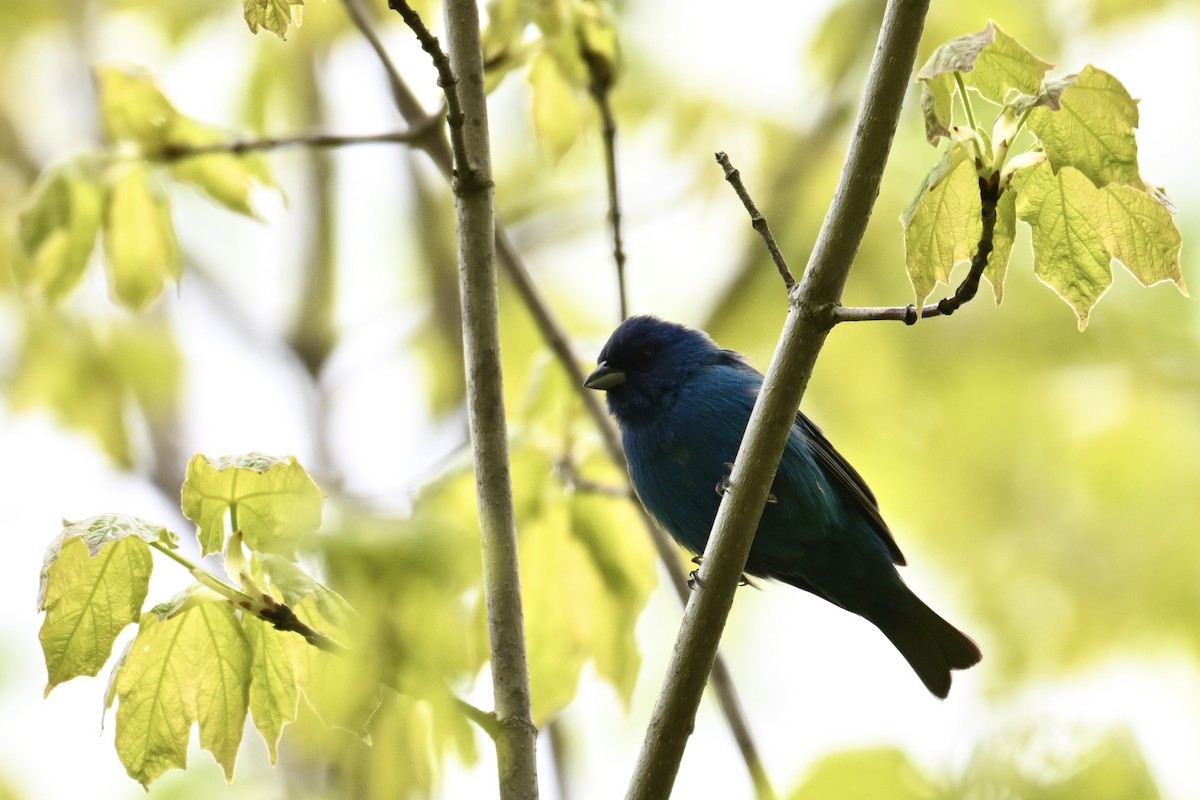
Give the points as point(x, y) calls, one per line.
point(682, 404)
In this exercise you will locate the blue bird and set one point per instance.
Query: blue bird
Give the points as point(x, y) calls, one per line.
point(682, 404)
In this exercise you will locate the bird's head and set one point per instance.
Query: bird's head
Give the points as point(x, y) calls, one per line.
point(646, 362)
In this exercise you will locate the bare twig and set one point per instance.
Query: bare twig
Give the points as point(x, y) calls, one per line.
point(775, 409)
point(757, 220)
point(989, 196)
point(567, 471)
point(601, 84)
point(179, 152)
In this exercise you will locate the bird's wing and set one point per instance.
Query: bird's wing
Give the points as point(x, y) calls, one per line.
point(847, 480)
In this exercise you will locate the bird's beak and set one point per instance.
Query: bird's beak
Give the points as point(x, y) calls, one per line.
point(604, 378)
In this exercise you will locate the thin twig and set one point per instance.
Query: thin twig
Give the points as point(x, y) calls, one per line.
point(569, 474)
point(464, 169)
point(757, 220)
point(989, 196)
point(600, 88)
point(178, 152)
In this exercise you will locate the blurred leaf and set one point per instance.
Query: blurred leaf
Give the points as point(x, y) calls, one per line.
point(874, 772)
point(133, 109)
point(1092, 130)
point(1079, 764)
point(193, 667)
point(586, 573)
point(942, 226)
point(140, 250)
point(58, 228)
point(61, 366)
point(94, 580)
point(145, 358)
point(557, 117)
point(271, 500)
point(275, 16)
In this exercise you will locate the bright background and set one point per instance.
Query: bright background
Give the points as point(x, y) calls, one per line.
point(1043, 483)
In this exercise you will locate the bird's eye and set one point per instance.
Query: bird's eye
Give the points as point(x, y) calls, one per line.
point(643, 358)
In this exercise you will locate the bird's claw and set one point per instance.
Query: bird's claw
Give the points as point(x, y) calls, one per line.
point(694, 581)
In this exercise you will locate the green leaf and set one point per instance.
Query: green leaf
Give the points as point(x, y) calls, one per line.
point(274, 694)
point(557, 117)
point(1002, 243)
point(194, 667)
point(1078, 229)
point(271, 500)
point(1141, 234)
point(275, 16)
point(874, 772)
point(140, 250)
point(1092, 128)
point(63, 367)
point(225, 177)
point(587, 571)
point(57, 229)
point(991, 61)
point(942, 225)
point(132, 108)
point(1064, 212)
point(94, 580)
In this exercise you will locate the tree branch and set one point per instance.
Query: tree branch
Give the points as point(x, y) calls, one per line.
point(461, 77)
point(558, 341)
point(775, 410)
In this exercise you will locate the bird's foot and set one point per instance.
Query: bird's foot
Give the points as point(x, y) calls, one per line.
point(695, 582)
point(725, 484)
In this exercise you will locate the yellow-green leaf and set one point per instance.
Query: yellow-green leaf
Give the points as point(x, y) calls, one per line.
point(1141, 234)
point(132, 108)
point(991, 61)
point(275, 16)
point(274, 694)
point(271, 500)
point(227, 178)
point(62, 367)
point(1065, 214)
point(57, 229)
point(586, 572)
point(875, 772)
point(942, 226)
point(1091, 129)
point(1003, 237)
point(557, 117)
point(93, 583)
point(140, 250)
point(193, 667)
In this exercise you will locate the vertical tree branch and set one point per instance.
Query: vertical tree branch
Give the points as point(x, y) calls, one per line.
point(775, 410)
point(559, 342)
point(473, 196)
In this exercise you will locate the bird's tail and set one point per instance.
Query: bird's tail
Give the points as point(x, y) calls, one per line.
point(931, 645)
